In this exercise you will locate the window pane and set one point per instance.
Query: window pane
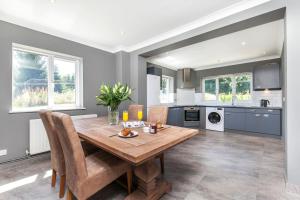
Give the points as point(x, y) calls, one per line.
point(243, 88)
point(165, 85)
point(64, 82)
point(225, 89)
point(210, 89)
point(30, 80)
point(166, 93)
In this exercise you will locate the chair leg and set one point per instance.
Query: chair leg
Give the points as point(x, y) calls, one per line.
point(162, 163)
point(69, 195)
point(53, 178)
point(129, 181)
point(62, 186)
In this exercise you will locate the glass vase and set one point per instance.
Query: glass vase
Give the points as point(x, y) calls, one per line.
point(113, 117)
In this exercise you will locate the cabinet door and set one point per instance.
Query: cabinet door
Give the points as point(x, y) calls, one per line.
point(253, 122)
point(175, 116)
point(270, 124)
point(267, 77)
point(235, 120)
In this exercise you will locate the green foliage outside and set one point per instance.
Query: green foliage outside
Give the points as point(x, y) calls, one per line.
point(112, 96)
point(225, 89)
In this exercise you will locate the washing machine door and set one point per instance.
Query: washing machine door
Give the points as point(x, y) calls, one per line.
point(214, 117)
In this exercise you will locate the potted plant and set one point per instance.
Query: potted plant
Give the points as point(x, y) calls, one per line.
point(112, 97)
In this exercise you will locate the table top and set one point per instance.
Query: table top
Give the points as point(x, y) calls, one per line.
point(135, 150)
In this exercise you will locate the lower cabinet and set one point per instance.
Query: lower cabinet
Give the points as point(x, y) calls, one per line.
point(235, 120)
point(175, 116)
point(266, 121)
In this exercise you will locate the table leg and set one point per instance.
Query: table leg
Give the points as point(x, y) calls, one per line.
point(150, 186)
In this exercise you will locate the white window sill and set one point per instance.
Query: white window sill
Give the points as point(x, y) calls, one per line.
point(52, 109)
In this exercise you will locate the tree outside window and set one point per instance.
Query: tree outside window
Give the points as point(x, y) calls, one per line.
point(225, 88)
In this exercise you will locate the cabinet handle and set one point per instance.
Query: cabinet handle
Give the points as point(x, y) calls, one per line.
point(270, 110)
point(227, 113)
point(253, 110)
point(266, 115)
point(257, 115)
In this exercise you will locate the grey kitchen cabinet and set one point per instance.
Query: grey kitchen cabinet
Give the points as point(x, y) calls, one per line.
point(202, 117)
point(270, 124)
point(264, 121)
point(252, 122)
point(176, 116)
point(267, 77)
point(235, 119)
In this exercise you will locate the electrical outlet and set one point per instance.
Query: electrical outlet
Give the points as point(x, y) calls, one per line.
point(3, 152)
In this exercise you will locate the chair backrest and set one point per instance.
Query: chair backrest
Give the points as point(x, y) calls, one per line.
point(57, 156)
point(158, 114)
point(133, 111)
point(74, 156)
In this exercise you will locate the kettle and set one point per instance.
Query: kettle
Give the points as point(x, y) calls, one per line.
point(264, 103)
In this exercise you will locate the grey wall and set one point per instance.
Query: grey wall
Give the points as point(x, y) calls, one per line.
point(123, 74)
point(98, 67)
point(292, 92)
point(240, 68)
point(166, 72)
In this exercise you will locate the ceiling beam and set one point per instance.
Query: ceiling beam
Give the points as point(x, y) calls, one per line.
point(239, 26)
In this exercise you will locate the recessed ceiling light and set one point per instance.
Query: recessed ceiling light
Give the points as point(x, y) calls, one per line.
point(122, 33)
point(243, 43)
point(52, 1)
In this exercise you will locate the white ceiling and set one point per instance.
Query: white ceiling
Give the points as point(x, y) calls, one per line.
point(257, 43)
point(115, 25)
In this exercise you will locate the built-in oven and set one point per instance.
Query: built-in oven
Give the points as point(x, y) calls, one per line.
point(192, 116)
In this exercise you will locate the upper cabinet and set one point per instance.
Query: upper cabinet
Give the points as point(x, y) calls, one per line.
point(267, 77)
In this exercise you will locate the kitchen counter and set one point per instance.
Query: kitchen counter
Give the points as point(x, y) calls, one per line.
point(226, 106)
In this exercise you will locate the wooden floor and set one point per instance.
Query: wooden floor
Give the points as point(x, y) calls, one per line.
point(218, 166)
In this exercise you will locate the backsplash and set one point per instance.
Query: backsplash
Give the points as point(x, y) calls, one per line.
point(274, 96)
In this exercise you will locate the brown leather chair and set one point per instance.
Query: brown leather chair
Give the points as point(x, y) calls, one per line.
point(158, 114)
point(57, 157)
point(133, 111)
point(86, 175)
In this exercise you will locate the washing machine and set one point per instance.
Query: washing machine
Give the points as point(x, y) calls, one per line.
point(215, 118)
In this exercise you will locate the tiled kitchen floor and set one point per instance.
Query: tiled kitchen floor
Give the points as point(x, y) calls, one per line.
point(218, 166)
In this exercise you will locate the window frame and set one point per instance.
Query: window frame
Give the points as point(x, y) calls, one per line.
point(233, 78)
point(51, 57)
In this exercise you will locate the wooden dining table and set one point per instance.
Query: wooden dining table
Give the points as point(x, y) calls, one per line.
point(140, 151)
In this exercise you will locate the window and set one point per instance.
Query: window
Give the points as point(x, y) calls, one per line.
point(228, 88)
point(225, 89)
point(44, 79)
point(167, 88)
point(210, 89)
point(243, 87)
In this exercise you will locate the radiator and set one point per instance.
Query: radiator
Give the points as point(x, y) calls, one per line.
point(38, 139)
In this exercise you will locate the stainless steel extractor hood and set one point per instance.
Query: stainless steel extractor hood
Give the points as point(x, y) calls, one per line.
point(185, 80)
